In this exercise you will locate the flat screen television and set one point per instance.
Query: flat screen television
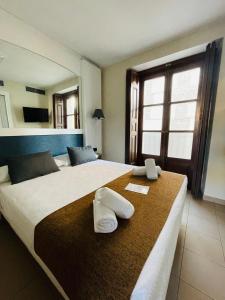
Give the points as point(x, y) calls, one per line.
point(32, 114)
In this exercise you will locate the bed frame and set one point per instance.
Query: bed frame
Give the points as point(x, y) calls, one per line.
point(15, 142)
point(162, 254)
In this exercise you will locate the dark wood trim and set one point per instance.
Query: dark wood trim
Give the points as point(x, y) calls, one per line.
point(209, 91)
point(155, 71)
point(131, 77)
point(175, 102)
point(140, 118)
point(127, 118)
point(166, 117)
point(146, 130)
point(71, 93)
point(209, 62)
point(78, 109)
point(54, 116)
point(64, 111)
point(64, 97)
point(167, 70)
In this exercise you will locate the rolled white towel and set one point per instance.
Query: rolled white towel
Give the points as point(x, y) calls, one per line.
point(159, 170)
point(139, 171)
point(105, 220)
point(151, 170)
point(113, 200)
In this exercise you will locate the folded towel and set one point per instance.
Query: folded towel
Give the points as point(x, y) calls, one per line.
point(151, 170)
point(139, 171)
point(105, 220)
point(111, 199)
point(159, 170)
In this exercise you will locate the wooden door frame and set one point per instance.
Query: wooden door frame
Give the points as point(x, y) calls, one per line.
point(166, 70)
point(131, 76)
point(149, 73)
point(208, 91)
point(64, 97)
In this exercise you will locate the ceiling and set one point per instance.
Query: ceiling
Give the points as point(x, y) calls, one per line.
point(108, 31)
point(20, 65)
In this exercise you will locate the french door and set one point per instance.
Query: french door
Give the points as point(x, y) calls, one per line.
point(169, 114)
point(66, 110)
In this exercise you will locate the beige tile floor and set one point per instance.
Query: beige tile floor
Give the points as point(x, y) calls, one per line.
point(198, 271)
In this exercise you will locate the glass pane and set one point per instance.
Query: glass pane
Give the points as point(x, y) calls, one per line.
point(185, 85)
point(152, 117)
point(154, 90)
point(70, 122)
point(180, 145)
point(151, 142)
point(70, 105)
point(182, 116)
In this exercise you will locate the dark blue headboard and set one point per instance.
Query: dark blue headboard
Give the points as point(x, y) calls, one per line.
point(20, 145)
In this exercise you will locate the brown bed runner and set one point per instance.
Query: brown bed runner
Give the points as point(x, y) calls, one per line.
point(105, 266)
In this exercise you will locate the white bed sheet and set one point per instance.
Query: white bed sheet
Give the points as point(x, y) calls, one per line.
point(25, 204)
point(29, 202)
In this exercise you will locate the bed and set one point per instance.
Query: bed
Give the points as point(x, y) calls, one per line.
point(24, 205)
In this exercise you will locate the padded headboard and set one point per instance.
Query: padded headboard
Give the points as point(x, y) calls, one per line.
point(20, 145)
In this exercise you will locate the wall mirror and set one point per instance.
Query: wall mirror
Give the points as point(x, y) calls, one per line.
point(36, 92)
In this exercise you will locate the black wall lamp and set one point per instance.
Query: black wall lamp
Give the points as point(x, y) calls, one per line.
point(98, 114)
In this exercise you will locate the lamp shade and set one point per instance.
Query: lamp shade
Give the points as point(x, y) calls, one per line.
point(98, 114)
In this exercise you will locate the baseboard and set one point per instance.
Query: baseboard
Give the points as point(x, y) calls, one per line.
point(213, 199)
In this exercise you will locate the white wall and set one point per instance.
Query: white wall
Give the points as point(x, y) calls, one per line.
point(114, 86)
point(19, 97)
point(17, 32)
point(91, 99)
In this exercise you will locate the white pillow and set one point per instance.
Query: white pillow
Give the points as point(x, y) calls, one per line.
point(59, 163)
point(4, 174)
point(64, 160)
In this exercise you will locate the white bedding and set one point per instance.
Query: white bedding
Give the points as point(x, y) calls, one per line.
point(25, 204)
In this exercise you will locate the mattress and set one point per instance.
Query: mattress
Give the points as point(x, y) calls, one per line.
point(25, 204)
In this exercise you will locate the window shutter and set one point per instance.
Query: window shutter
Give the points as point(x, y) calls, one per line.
point(209, 90)
point(132, 111)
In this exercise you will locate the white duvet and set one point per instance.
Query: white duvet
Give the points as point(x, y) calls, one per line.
point(25, 204)
point(29, 202)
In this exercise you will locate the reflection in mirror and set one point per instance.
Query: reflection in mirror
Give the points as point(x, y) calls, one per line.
point(5, 111)
point(66, 109)
point(36, 92)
